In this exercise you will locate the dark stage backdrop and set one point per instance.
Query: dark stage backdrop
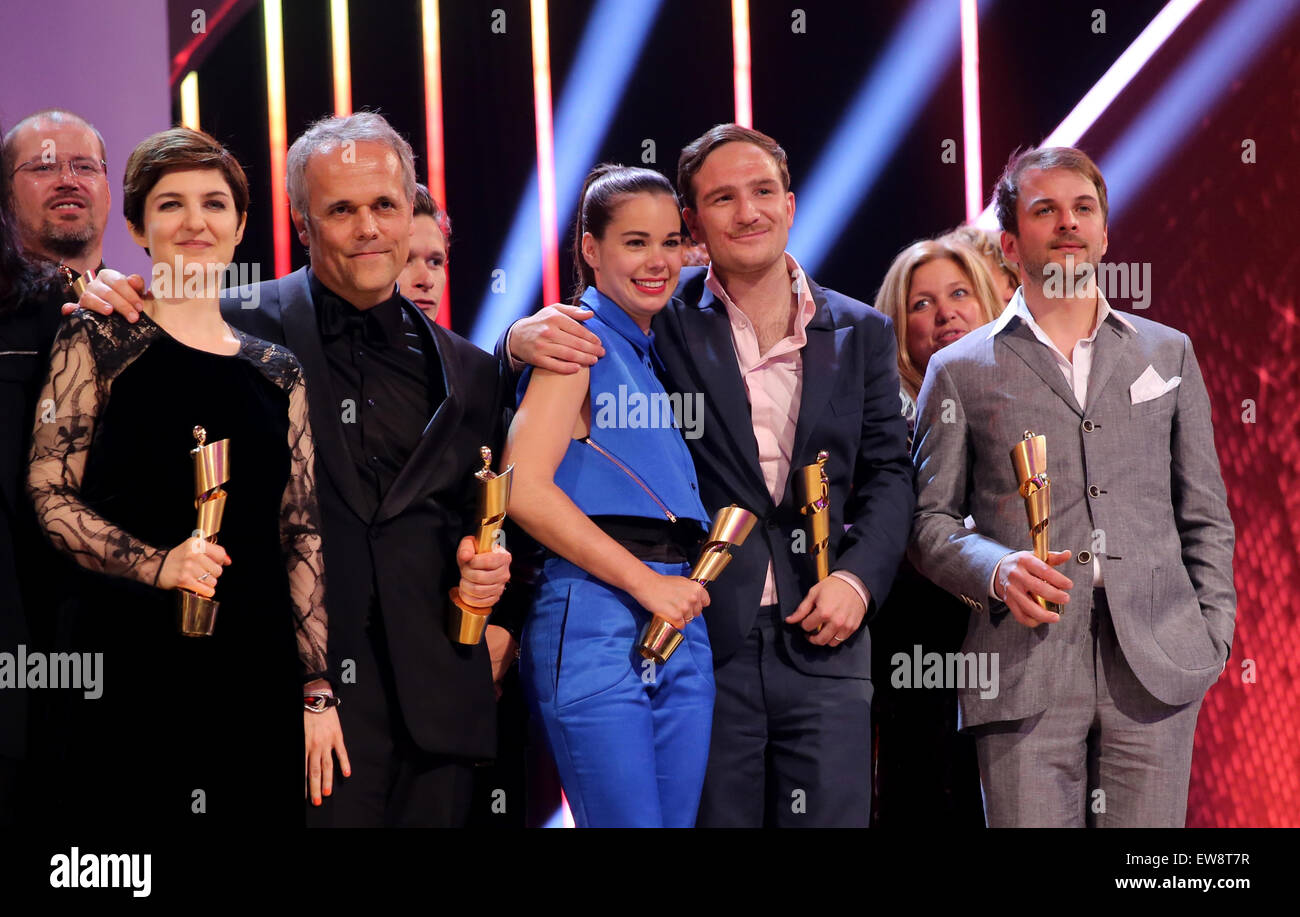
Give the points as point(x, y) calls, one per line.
point(1218, 233)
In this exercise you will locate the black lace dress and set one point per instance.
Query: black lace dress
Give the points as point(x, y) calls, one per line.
point(185, 730)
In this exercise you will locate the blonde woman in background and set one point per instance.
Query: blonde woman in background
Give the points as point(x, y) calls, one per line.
point(936, 291)
point(987, 244)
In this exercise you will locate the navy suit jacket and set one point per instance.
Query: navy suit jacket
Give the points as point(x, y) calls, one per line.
point(849, 407)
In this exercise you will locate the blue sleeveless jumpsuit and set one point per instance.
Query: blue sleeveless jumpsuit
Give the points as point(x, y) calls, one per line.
point(630, 739)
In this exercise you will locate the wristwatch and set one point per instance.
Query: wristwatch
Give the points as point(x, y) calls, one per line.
point(319, 701)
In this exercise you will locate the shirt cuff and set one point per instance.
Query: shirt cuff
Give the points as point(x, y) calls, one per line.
point(858, 587)
point(993, 580)
point(516, 367)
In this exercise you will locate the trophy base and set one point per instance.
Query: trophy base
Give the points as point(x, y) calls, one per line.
point(465, 623)
point(1048, 606)
point(659, 641)
point(198, 615)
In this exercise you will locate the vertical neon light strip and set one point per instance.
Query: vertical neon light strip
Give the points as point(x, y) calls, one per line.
point(342, 57)
point(279, 132)
point(190, 100)
point(545, 151)
point(436, 179)
point(970, 107)
point(740, 70)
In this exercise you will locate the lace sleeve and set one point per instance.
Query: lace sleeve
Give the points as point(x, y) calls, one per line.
point(300, 537)
point(75, 391)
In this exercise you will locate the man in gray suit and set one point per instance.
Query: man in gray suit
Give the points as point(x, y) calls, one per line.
point(1093, 719)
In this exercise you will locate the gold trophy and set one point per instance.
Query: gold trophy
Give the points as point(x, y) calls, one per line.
point(466, 622)
point(1029, 456)
point(812, 490)
point(731, 526)
point(211, 470)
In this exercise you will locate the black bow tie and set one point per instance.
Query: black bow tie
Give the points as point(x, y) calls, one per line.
point(339, 319)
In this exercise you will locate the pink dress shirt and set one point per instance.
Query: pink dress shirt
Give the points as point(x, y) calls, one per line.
point(774, 383)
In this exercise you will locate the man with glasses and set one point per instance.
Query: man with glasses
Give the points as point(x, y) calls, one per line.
point(55, 163)
point(57, 204)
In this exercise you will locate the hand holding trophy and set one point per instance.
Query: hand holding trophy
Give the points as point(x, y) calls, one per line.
point(813, 491)
point(731, 526)
point(466, 622)
point(198, 616)
point(1029, 456)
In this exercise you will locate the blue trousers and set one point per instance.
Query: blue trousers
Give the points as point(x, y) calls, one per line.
point(630, 739)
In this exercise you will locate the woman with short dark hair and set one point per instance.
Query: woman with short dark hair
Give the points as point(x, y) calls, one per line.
point(189, 729)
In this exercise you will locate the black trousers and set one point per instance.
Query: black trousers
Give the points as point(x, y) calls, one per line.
point(394, 783)
point(788, 749)
point(927, 774)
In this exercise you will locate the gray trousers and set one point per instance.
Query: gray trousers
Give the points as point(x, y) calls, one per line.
point(1105, 754)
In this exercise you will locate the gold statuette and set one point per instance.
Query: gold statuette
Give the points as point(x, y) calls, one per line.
point(1029, 456)
point(812, 490)
point(211, 470)
point(466, 622)
point(731, 526)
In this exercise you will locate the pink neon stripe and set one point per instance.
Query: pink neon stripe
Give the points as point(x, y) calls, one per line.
point(342, 57)
point(545, 151)
point(279, 134)
point(970, 107)
point(741, 63)
point(436, 179)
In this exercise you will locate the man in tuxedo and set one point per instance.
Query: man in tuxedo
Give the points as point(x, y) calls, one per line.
point(787, 369)
point(399, 409)
point(1096, 708)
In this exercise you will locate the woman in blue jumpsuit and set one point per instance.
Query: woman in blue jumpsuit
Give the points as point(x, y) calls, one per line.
point(604, 480)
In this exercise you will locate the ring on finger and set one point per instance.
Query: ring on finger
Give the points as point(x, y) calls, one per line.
point(205, 577)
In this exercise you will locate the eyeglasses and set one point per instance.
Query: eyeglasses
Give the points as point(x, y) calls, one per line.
point(80, 167)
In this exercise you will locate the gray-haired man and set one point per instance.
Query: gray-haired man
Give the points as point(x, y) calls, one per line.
point(1097, 706)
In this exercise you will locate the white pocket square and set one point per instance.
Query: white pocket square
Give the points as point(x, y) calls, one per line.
point(1149, 385)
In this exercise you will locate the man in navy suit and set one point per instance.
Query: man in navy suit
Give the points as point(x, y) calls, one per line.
point(787, 369)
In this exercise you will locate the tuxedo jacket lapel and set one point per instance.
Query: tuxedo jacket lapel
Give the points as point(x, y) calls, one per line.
point(820, 365)
point(426, 459)
point(707, 331)
point(1022, 342)
point(302, 336)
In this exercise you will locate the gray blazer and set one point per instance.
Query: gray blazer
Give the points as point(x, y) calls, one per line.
point(1138, 483)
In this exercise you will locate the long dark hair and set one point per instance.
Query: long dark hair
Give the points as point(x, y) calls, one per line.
point(602, 192)
point(19, 276)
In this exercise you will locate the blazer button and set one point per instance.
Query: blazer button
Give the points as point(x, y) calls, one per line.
point(1085, 557)
point(1094, 490)
point(1088, 426)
